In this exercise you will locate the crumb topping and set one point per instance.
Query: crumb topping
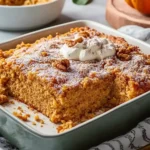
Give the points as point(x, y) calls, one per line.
point(44, 59)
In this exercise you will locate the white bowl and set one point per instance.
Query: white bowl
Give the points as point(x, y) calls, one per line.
point(29, 17)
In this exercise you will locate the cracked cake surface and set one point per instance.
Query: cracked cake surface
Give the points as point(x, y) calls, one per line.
point(71, 76)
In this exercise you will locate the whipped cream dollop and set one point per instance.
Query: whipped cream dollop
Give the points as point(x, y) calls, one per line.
point(89, 49)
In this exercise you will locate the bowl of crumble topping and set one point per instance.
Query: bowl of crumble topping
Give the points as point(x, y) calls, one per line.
point(28, 14)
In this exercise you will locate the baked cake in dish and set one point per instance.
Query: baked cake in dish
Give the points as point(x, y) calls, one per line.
point(72, 76)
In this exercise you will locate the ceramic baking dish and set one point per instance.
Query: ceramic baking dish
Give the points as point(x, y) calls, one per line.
point(108, 125)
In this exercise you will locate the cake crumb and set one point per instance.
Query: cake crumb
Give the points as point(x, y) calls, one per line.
point(30, 108)
point(20, 109)
point(66, 125)
point(3, 99)
point(21, 116)
point(41, 125)
point(11, 102)
point(28, 115)
point(42, 121)
point(33, 123)
point(44, 54)
point(37, 118)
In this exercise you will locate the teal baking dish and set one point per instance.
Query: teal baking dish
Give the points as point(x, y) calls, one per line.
point(104, 127)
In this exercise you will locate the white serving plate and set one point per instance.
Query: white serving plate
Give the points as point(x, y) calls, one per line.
point(84, 135)
point(29, 17)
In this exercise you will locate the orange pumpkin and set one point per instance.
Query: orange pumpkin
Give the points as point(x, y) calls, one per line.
point(141, 5)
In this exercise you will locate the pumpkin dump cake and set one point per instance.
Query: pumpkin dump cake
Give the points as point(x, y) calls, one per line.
point(72, 76)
